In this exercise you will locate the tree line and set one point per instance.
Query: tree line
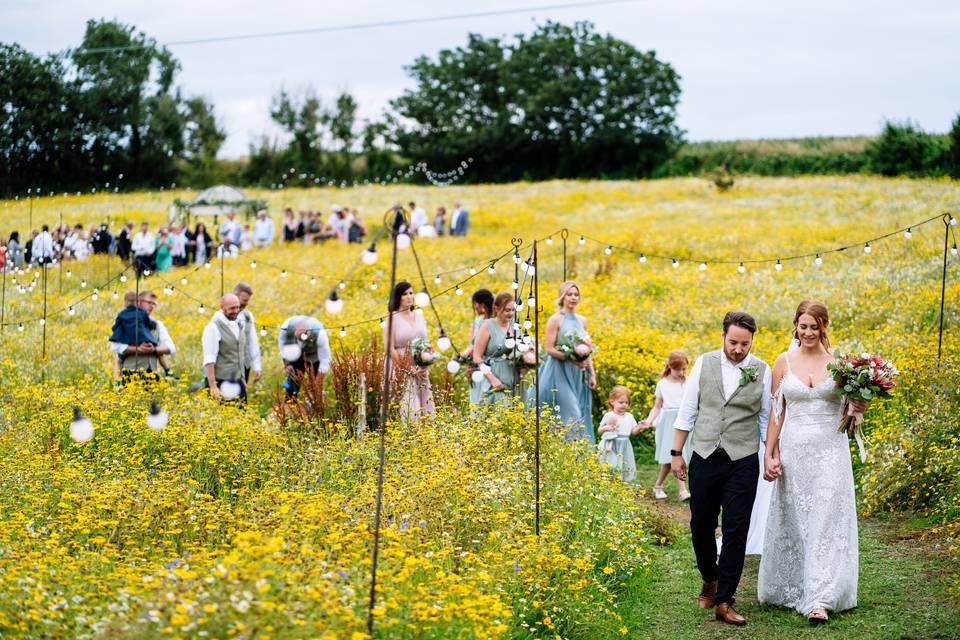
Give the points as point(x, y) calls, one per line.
point(562, 102)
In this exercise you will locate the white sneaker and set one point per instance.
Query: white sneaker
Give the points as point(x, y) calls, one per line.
point(659, 493)
point(684, 495)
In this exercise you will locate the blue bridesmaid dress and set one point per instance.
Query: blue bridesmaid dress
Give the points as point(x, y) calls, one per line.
point(563, 386)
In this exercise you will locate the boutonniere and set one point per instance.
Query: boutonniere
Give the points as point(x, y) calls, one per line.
point(748, 375)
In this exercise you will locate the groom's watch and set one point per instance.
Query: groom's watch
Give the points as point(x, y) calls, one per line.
point(674, 453)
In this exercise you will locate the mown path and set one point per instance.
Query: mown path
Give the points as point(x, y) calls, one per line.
point(903, 590)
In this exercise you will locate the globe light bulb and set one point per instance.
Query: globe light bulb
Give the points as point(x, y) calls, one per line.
point(71, 311)
point(422, 299)
point(516, 257)
point(459, 291)
point(908, 233)
point(550, 241)
point(206, 265)
point(492, 269)
point(229, 390)
point(818, 260)
point(115, 295)
point(514, 285)
point(527, 324)
point(83, 284)
point(343, 332)
point(608, 250)
point(253, 264)
point(157, 418)
point(509, 342)
point(69, 273)
point(313, 281)
point(525, 266)
point(291, 352)
point(436, 279)
point(476, 376)
point(43, 321)
point(676, 263)
point(741, 268)
point(183, 282)
point(867, 248)
point(342, 285)
point(20, 327)
point(369, 255)
point(531, 302)
point(81, 429)
point(473, 271)
point(643, 258)
point(202, 310)
point(382, 323)
point(263, 333)
point(374, 286)
point(334, 304)
point(96, 295)
point(403, 241)
point(453, 366)
point(703, 266)
point(283, 273)
point(953, 249)
point(778, 266)
point(583, 240)
point(443, 342)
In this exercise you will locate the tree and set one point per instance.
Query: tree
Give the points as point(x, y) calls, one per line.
point(303, 120)
point(565, 101)
point(203, 141)
point(953, 157)
point(905, 149)
point(341, 121)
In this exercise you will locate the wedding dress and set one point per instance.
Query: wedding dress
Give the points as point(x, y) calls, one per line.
point(810, 556)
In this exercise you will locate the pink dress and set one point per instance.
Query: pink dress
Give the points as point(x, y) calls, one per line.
point(417, 397)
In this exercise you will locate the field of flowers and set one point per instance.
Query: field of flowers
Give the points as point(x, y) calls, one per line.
point(228, 523)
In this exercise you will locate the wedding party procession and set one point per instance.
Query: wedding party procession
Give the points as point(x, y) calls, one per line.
point(575, 321)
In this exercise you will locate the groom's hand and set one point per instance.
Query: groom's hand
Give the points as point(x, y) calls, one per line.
point(771, 468)
point(679, 468)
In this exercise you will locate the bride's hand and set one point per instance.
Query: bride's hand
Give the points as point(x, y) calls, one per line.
point(860, 406)
point(771, 468)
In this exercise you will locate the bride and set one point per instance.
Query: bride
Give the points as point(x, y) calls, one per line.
point(810, 560)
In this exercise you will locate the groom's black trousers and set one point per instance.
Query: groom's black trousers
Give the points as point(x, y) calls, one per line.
point(718, 482)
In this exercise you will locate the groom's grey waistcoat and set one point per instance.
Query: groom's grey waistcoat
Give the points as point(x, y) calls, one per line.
point(729, 424)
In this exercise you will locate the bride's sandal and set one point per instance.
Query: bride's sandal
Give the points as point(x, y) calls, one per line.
point(817, 616)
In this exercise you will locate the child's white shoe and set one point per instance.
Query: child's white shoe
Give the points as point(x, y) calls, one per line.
point(684, 495)
point(659, 493)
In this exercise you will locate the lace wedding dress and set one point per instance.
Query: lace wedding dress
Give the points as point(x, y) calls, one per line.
point(810, 556)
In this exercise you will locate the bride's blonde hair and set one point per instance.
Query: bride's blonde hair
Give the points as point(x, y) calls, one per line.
point(564, 289)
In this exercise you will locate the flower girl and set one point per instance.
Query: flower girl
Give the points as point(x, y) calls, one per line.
point(616, 427)
point(666, 405)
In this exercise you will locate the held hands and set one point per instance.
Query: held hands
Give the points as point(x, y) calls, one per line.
point(771, 467)
point(679, 468)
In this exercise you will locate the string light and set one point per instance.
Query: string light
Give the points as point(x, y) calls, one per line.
point(492, 268)
point(116, 296)
point(403, 240)
point(459, 290)
point(953, 249)
point(123, 277)
point(867, 248)
point(313, 281)
point(202, 310)
point(703, 266)
point(608, 250)
point(741, 268)
point(96, 294)
point(422, 299)
point(369, 255)
point(908, 233)
point(818, 260)
point(157, 418)
point(81, 429)
point(342, 284)
point(70, 311)
point(283, 273)
point(643, 258)
point(436, 278)
point(676, 263)
point(334, 304)
point(514, 285)
point(516, 256)
point(20, 327)
point(778, 266)
point(527, 324)
point(583, 240)
point(382, 323)
point(953, 221)
point(343, 331)
point(83, 283)
point(443, 342)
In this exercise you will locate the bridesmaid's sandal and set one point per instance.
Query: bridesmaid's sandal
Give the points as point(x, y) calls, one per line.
point(659, 493)
point(684, 496)
point(817, 616)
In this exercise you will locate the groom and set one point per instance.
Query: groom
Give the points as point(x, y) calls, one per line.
point(726, 404)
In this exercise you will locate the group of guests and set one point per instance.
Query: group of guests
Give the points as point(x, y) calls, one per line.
point(342, 225)
point(456, 223)
point(46, 245)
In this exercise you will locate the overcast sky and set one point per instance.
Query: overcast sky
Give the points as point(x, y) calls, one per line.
point(750, 69)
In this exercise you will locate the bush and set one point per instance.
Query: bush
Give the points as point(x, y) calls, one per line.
point(905, 150)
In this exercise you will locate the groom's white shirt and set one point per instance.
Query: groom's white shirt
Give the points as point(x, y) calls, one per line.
point(730, 374)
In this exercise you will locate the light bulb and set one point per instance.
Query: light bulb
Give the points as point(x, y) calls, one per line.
point(383, 323)
point(516, 257)
point(334, 304)
point(343, 332)
point(342, 284)
point(908, 233)
point(202, 310)
point(531, 270)
point(436, 279)
point(867, 248)
point(443, 342)
point(527, 324)
point(374, 285)
point(523, 347)
point(263, 333)
point(81, 429)
point(229, 390)
point(43, 321)
point(403, 241)
point(473, 271)
point(519, 304)
point(115, 295)
point(453, 366)
point(206, 265)
point(290, 352)
point(476, 376)
point(96, 295)
point(69, 273)
point(146, 272)
point(818, 260)
point(676, 263)
point(509, 343)
point(183, 282)
point(531, 302)
point(20, 327)
point(253, 264)
point(83, 284)
point(422, 299)
point(283, 273)
point(583, 240)
point(953, 221)
point(608, 250)
point(514, 285)
point(459, 291)
point(492, 269)
point(70, 311)
point(778, 266)
point(703, 266)
point(525, 266)
point(741, 268)
point(157, 418)
point(549, 241)
point(953, 249)
point(313, 281)
point(643, 258)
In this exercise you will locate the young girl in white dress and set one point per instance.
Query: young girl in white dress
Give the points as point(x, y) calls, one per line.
point(616, 427)
point(666, 405)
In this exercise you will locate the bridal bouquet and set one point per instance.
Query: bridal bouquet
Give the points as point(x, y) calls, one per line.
point(576, 345)
point(862, 377)
point(423, 353)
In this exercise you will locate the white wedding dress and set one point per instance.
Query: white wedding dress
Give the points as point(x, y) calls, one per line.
point(810, 557)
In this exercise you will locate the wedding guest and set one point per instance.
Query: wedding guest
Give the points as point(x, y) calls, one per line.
point(143, 247)
point(230, 230)
point(246, 238)
point(143, 360)
point(42, 247)
point(338, 223)
point(440, 220)
point(460, 220)
point(667, 397)
point(134, 326)
point(290, 226)
point(616, 427)
point(263, 230)
point(483, 310)
point(226, 348)
point(418, 218)
point(202, 244)
point(244, 292)
point(102, 239)
point(494, 341)
point(407, 325)
point(14, 251)
point(164, 250)
point(181, 240)
point(28, 257)
point(304, 347)
point(566, 382)
point(125, 242)
point(810, 559)
point(358, 230)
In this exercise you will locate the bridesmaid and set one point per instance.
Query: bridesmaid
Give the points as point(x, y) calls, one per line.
point(566, 383)
point(499, 384)
point(417, 399)
point(483, 309)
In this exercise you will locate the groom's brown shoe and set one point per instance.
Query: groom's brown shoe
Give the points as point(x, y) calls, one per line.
point(707, 594)
point(726, 613)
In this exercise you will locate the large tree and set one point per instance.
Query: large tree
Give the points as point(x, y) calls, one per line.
point(564, 101)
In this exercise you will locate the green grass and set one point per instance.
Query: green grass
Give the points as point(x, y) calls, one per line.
point(902, 592)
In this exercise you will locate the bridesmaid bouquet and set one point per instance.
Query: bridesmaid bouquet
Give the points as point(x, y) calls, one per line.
point(423, 353)
point(862, 377)
point(576, 345)
point(465, 357)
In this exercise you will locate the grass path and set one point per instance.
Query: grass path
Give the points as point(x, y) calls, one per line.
point(902, 592)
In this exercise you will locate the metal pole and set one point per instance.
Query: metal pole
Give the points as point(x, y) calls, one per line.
point(395, 225)
point(43, 348)
point(943, 285)
point(536, 349)
point(223, 249)
point(563, 234)
point(3, 296)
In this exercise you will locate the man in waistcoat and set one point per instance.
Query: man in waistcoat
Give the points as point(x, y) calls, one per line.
point(726, 406)
point(145, 360)
point(304, 346)
point(226, 348)
point(244, 292)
